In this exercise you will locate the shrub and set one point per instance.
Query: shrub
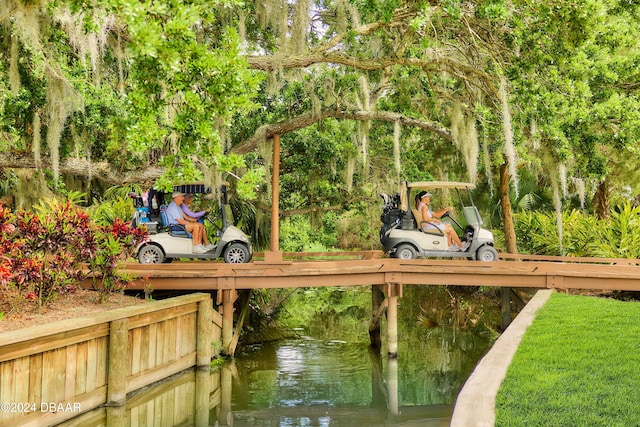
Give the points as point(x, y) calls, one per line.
point(583, 235)
point(43, 253)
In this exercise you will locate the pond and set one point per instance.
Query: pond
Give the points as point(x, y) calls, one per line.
point(324, 382)
point(328, 376)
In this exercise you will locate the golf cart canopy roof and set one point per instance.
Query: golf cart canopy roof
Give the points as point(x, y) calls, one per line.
point(441, 184)
point(192, 188)
point(195, 188)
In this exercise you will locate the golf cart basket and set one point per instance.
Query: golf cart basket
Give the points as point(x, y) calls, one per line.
point(392, 213)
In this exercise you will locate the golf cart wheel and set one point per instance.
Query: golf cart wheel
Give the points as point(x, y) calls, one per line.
point(236, 253)
point(487, 253)
point(406, 252)
point(150, 254)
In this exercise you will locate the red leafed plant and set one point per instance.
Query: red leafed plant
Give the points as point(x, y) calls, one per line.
point(46, 253)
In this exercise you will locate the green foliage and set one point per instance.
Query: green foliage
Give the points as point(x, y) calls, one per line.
point(346, 231)
point(159, 82)
point(296, 234)
point(357, 231)
point(200, 82)
point(247, 186)
point(582, 235)
point(328, 309)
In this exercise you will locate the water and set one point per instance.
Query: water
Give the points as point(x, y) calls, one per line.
point(323, 382)
point(310, 382)
point(329, 379)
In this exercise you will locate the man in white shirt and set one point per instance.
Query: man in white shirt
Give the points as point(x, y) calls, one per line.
point(175, 217)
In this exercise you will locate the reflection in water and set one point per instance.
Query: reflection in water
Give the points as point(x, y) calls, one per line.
point(335, 383)
point(310, 382)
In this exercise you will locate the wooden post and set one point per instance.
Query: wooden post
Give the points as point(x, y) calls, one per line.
point(118, 362)
point(116, 416)
point(275, 196)
point(509, 236)
point(394, 291)
point(392, 326)
point(204, 335)
point(228, 298)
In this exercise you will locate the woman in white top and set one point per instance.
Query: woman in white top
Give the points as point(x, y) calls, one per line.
point(432, 219)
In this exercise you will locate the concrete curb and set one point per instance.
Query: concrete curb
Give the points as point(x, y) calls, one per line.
point(475, 405)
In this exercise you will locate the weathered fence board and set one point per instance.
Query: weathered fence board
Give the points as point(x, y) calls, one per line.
point(54, 372)
point(186, 400)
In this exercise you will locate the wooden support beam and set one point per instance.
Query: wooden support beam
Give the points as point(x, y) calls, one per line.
point(118, 362)
point(393, 292)
point(204, 333)
point(392, 327)
point(275, 196)
point(229, 297)
point(244, 304)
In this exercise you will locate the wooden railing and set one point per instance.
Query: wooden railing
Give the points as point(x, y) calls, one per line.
point(54, 372)
point(327, 255)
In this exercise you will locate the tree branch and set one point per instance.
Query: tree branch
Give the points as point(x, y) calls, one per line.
point(307, 119)
point(81, 167)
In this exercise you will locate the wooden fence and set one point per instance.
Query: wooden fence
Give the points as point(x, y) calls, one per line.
point(186, 399)
point(54, 372)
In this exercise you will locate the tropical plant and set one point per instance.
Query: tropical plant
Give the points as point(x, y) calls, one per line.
point(583, 235)
point(44, 254)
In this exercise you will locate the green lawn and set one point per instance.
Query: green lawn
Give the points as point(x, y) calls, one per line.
point(577, 365)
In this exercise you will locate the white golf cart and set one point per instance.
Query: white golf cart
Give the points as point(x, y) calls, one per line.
point(403, 237)
point(165, 245)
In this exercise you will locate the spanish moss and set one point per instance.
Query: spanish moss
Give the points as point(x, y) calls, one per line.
point(509, 146)
point(396, 148)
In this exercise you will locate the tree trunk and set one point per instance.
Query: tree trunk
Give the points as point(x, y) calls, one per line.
point(509, 237)
point(601, 200)
point(507, 215)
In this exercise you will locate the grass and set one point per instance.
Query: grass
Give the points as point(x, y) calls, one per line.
point(577, 365)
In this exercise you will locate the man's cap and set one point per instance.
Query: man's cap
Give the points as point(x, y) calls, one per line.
point(177, 194)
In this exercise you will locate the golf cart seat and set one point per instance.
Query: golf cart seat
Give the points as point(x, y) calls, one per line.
point(420, 222)
point(172, 232)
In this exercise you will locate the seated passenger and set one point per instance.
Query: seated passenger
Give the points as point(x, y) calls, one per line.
point(199, 216)
point(432, 221)
point(176, 217)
